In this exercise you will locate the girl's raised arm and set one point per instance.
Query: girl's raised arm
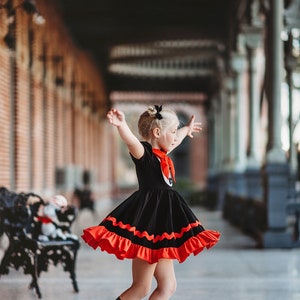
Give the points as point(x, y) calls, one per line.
point(117, 119)
point(187, 130)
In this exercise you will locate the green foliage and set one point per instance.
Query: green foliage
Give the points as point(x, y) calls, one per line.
point(195, 196)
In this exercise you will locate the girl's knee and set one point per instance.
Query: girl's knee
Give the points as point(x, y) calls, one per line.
point(142, 289)
point(168, 288)
point(145, 290)
point(173, 287)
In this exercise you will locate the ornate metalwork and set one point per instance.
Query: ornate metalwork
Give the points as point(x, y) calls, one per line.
point(19, 222)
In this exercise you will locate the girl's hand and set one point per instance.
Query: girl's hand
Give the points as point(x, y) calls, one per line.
point(115, 117)
point(193, 126)
point(187, 130)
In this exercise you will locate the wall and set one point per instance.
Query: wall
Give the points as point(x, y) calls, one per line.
point(53, 106)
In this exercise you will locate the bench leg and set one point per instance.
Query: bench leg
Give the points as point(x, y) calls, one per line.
point(34, 285)
point(73, 275)
point(69, 265)
point(29, 266)
point(65, 255)
point(71, 269)
point(5, 261)
point(34, 282)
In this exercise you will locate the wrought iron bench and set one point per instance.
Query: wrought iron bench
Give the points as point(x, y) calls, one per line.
point(20, 222)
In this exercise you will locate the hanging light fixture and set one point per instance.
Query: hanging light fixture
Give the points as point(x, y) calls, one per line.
point(38, 19)
point(29, 7)
point(10, 40)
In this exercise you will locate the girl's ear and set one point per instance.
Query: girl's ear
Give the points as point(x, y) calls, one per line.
point(156, 132)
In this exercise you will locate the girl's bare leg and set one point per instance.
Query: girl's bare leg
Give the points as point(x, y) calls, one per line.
point(166, 280)
point(142, 274)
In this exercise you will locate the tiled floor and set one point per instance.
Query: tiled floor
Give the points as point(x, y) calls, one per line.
point(233, 270)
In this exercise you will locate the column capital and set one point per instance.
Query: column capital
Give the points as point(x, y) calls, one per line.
point(276, 155)
point(253, 36)
point(238, 62)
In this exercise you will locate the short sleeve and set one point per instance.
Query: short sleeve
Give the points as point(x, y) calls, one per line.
point(146, 158)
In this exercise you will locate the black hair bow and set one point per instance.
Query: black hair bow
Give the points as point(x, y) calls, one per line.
point(158, 110)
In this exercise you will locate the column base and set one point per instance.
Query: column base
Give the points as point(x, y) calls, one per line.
point(277, 239)
point(276, 180)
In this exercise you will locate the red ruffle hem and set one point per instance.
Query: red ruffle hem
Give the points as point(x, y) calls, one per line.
point(99, 236)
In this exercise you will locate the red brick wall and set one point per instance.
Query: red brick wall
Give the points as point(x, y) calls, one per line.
point(60, 129)
point(37, 136)
point(5, 115)
point(50, 128)
point(4, 105)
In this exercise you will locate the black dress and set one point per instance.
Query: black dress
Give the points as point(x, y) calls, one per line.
point(154, 222)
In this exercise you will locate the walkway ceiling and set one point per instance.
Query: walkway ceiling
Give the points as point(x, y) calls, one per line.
point(154, 46)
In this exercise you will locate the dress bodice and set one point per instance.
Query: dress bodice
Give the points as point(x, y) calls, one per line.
point(148, 170)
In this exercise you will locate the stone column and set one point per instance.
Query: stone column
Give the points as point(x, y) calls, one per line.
point(230, 128)
point(253, 172)
point(212, 137)
point(213, 147)
point(290, 66)
point(218, 133)
point(219, 147)
point(223, 149)
point(275, 152)
point(231, 106)
point(276, 169)
point(238, 64)
point(224, 127)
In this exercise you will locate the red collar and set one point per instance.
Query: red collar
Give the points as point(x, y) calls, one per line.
point(166, 163)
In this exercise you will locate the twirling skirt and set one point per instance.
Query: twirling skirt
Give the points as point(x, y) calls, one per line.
point(151, 225)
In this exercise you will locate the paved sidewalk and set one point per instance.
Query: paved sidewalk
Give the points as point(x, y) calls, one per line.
point(234, 270)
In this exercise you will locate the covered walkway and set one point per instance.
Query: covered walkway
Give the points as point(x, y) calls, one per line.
point(235, 269)
point(235, 64)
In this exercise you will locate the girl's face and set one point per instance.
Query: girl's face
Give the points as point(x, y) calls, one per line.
point(168, 137)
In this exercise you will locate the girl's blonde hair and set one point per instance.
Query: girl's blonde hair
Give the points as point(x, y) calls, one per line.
point(154, 117)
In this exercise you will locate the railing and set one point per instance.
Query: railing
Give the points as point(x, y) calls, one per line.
point(250, 215)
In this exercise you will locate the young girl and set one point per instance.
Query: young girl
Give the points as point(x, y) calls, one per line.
point(154, 225)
